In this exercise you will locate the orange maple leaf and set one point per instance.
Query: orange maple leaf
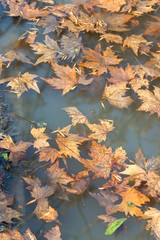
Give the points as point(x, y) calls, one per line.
point(58, 175)
point(131, 199)
point(99, 63)
point(48, 153)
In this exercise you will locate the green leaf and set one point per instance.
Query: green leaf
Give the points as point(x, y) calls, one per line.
point(113, 226)
point(5, 156)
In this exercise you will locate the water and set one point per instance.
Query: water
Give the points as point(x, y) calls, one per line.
point(133, 129)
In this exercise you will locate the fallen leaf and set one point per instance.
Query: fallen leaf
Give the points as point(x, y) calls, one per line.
point(17, 150)
point(134, 42)
point(53, 234)
point(76, 115)
point(115, 94)
point(101, 130)
point(150, 101)
point(154, 222)
point(40, 137)
point(99, 63)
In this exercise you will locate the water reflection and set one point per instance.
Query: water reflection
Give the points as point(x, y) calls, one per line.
point(133, 129)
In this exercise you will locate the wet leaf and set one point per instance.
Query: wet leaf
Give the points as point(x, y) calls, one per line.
point(114, 226)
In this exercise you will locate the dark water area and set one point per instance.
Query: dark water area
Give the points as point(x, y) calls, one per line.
point(133, 129)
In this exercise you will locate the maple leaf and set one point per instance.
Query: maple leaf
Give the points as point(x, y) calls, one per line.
point(48, 51)
point(18, 55)
point(70, 46)
point(48, 153)
point(54, 233)
point(58, 175)
point(110, 5)
point(29, 235)
point(131, 199)
point(39, 192)
point(135, 42)
point(154, 222)
point(45, 212)
point(101, 162)
point(68, 145)
point(66, 78)
point(114, 21)
point(7, 213)
point(151, 101)
point(154, 28)
point(98, 62)
point(152, 183)
point(40, 137)
point(31, 182)
point(12, 234)
point(17, 150)
point(107, 199)
point(49, 22)
point(100, 131)
point(138, 82)
point(115, 94)
point(76, 115)
point(110, 37)
point(120, 75)
point(144, 7)
point(22, 83)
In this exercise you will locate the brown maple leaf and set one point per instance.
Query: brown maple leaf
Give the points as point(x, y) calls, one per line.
point(100, 131)
point(54, 233)
point(39, 192)
point(68, 144)
point(45, 212)
point(107, 199)
point(114, 21)
point(135, 42)
point(99, 63)
point(17, 150)
point(115, 94)
point(7, 213)
point(151, 101)
point(48, 153)
point(40, 137)
point(110, 37)
point(110, 5)
point(132, 200)
point(101, 161)
point(29, 235)
point(58, 175)
point(22, 83)
point(76, 115)
point(120, 75)
point(18, 55)
point(153, 28)
point(47, 50)
point(12, 234)
point(66, 78)
point(154, 222)
point(139, 82)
